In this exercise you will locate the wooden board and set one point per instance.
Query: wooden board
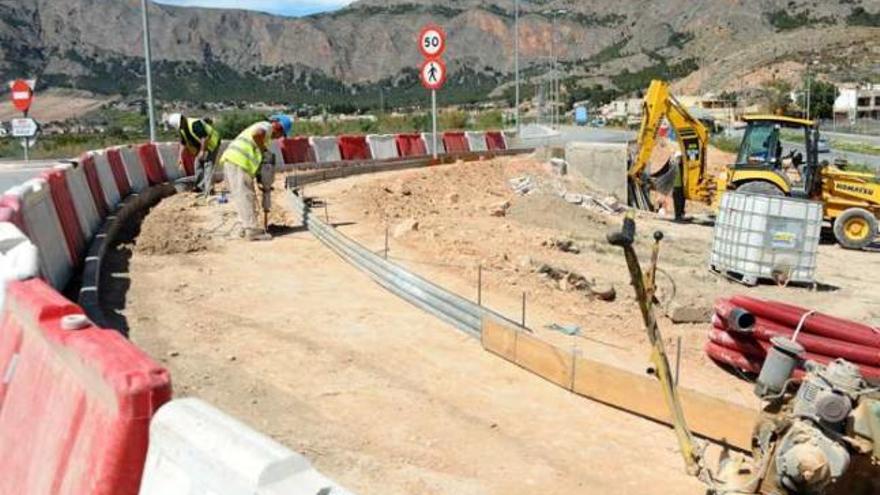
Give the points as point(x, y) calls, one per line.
point(708, 417)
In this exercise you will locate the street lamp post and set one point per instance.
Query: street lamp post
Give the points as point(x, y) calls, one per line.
point(516, 62)
point(147, 62)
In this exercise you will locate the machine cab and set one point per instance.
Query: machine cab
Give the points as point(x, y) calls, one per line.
point(779, 151)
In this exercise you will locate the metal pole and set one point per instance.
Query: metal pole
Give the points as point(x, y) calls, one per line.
point(148, 62)
point(808, 91)
point(553, 96)
point(27, 144)
point(386, 242)
point(479, 285)
point(524, 310)
point(434, 119)
point(516, 62)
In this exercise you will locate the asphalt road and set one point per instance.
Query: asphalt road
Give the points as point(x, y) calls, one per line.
point(13, 173)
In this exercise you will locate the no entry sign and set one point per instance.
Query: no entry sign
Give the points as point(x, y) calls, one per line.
point(433, 74)
point(22, 94)
point(432, 41)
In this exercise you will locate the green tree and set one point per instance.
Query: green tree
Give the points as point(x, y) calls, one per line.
point(822, 96)
point(775, 97)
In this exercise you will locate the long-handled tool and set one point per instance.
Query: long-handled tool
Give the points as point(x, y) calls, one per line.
point(644, 285)
point(266, 181)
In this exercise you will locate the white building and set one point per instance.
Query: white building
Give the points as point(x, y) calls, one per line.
point(858, 102)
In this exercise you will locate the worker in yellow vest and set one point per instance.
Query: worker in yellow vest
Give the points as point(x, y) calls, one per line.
point(202, 140)
point(242, 162)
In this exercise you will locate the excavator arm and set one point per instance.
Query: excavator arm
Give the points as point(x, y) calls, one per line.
point(693, 139)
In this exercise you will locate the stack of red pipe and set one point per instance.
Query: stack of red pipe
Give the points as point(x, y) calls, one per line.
point(824, 337)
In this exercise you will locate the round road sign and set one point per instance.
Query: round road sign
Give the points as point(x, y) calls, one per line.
point(22, 95)
point(432, 41)
point(433, 74)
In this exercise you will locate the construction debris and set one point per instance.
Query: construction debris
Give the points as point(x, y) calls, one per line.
point(570, 330)
point(500, 209)
point(522, 185)
point(567, 280)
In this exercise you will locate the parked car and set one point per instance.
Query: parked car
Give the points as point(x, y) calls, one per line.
point(823, 146)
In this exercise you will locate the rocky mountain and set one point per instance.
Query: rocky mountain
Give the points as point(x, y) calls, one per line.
point(370, 47)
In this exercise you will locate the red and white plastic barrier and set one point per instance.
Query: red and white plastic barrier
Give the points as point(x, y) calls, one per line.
point(169, 154)
point(87, 162)
point(455, 142)
point(196, 449)
point(120, 176)
point(428, 139)
point(83, 202)
point(383, 146)
point(135, 172)
point(411, 145)
point(496, 141)
point(326, 149)
point(75, 402)
point(476, 141)
point(149, 159)
point(108, 181)
point(354, 148)
point(67, 216)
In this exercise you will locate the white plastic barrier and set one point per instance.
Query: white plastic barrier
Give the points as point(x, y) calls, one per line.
point(41, 222)
point(476, 141)
point(383, 146)
point(429, 143)
point(196, 449)
point(137, 176)
point(86, 212)
point(169, 154)
point(105, 176)
point(19, 259)
point(326, 149)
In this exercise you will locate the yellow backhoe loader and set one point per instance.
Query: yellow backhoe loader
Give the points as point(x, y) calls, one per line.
point(778, 156)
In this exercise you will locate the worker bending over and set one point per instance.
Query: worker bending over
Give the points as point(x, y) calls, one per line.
point(242, 162)
point(200, 139)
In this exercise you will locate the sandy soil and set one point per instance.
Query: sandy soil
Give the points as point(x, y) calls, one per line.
point(457, 232)
point(379, 395)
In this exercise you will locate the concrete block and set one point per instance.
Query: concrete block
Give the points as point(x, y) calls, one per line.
point(602, 165)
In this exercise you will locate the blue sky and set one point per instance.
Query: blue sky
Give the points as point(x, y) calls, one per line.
point(282, 7)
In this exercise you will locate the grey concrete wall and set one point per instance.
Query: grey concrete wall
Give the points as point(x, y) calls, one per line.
point(602, 165)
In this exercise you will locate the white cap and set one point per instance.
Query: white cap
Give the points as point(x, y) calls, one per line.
point(174, 119)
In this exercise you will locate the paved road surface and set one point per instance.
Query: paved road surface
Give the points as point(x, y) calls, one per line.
point(13, 173)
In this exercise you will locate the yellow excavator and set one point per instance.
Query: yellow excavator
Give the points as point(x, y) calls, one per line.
point(778, 156)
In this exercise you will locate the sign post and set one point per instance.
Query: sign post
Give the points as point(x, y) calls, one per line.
point(432, 44)
point(22, 92)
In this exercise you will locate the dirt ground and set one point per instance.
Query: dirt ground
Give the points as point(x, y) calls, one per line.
point(377, 394)
point(387, 399)
point(456, 211)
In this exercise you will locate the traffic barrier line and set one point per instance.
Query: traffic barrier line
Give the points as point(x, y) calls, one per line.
point(67, 216)
point(106, 176)
point(196, 449)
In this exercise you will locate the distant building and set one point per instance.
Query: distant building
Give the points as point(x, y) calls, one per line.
point(858, 102)
point(629, 109)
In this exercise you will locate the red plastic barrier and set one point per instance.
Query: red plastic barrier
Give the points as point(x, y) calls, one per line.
point(409, 145)
point(117, 166)
point(818, 323)
point(10, 211)
point(495, 141)
point(64, 206)
point(296, 150)
point(354, 148)
point(189, 163)
point(455, 142)
point(88, 165)
point(76, 405)
point(149, 157)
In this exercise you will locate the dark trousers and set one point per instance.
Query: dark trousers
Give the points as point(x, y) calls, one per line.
point(678, 202)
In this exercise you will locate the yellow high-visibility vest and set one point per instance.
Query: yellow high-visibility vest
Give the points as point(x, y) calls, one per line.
point(192, 142)
point(244, 151)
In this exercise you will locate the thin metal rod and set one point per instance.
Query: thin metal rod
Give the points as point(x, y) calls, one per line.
point(480, 285)
point(434, 120)
point(148, 62)
point(524, 309)
point(326, 213)
point(386, 242)
point(516, 62)
point(677, 359)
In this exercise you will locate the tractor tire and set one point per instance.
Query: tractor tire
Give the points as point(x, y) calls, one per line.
point(760, 187)
point(856, 228)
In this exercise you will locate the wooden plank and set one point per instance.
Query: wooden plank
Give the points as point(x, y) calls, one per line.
point(499, 338)
point(545, 360)
point(708, 417)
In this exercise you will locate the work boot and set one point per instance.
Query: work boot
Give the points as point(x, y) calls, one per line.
point(258, 235)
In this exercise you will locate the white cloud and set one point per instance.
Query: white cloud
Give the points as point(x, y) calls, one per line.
point(283, 7)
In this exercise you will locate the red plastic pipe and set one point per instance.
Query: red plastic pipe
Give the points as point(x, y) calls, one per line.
point(817, 323)
point(766, 330)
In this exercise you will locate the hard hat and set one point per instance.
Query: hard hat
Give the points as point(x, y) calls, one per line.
point(286, 122)
point(174, 120)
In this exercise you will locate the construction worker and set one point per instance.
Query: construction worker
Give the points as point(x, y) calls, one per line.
point(200, 139)
point(242, 162)
point(678, 198)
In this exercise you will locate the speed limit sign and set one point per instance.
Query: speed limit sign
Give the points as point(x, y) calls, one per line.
point(432, 41)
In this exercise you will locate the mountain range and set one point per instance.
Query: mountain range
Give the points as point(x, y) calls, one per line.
point(367, 51)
